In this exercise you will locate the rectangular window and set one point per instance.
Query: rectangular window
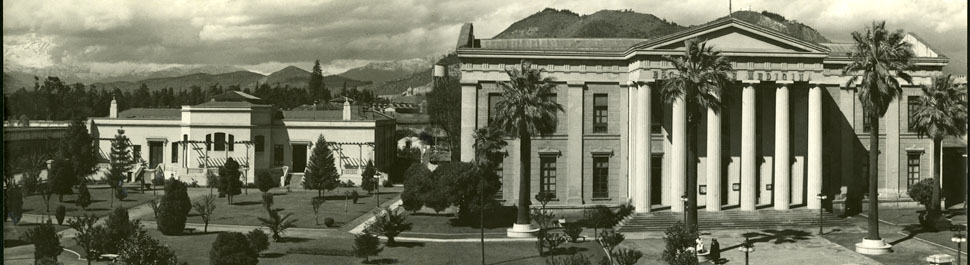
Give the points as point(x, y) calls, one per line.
point(547, 175)
point(208, 142)
point(866, 125)
point(232, 142)
point(175, 152)
point(912, 168)
point(600, 112)
point(278, 155)
point(912, 103)
point(259, 142)
point(656, 111)
point(136, 152)
point(220, 142)
point(601, 177)
point(493, 99)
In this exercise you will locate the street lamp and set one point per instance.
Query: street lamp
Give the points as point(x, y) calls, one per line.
point(820, 197)
point(959, 239)
point(683, 198)
point(747, 248)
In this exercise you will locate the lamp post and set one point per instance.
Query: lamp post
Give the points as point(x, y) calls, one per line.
point(820, 197)
point(747, 248)
point(684, 199)
point(959, 239)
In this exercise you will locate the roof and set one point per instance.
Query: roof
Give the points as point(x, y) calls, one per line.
point(329, 115)
point(228, 104)
point(560, 44)
point(840, 49)
point(236, 96)
point(412, 118)
point(151, 114)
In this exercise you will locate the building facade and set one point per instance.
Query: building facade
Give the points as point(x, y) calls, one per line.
point(189, 142)
point(791, 128)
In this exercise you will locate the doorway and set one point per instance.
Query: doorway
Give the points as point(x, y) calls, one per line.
point(299, 157)
point(954, 175)
point(656, 179)
point(154, 154)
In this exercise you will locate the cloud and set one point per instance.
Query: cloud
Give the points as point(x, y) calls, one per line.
point(340, 33)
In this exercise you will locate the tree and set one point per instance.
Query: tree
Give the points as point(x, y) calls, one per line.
point(78, 149)
point(13, 201)
point(389, 223)
point(367, 180)
point(525, 111)
point(316, 86)
point(142, 249)
point(173, 209)
point(89, 236)
point(366, 245)
point(489, 143)
point(941, 112)
point(46, 241)
point(60, 178)
point(258, 240)
point(205, 207)
point(315, 203)
point(264, 182)
point(118, 227)
point(678, 239)
point(879, 58)
point(277, 223)
point(83, 196)
point(321, 172)
point(701, 74)
point(232, 249)
point(229, 179)
point(121, 161)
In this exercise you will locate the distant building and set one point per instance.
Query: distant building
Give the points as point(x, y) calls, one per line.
point(189, 142)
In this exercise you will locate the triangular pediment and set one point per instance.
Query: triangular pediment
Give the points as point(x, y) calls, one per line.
point(732, 35)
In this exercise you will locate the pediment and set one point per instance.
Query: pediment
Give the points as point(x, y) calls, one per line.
point(734, 35)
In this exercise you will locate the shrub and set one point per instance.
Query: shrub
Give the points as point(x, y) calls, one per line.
point(83, 197)
point(678, 238)
point(573, 231)
point(366, 245)
point(922, 192)
point(118, 227)
point(346, 184)
point(626, 256)
point(577, 259)
point(258, 240)
point(550, 241)
point(598, 217)
point(31, 183)
point(141, 248)
point(354, 196)
point(277, 223)
point(121, 193)
point(92, 239)
point(46, 241)
point(367, 180)
point(173, 209)
point(14, 204)
point(205, 207)
point(232, 248)
point(328, 222)
point(229, 179)
point(60, 213)
point(267, 200)
point(316, 202)
point(390, 223)
point(264, 181)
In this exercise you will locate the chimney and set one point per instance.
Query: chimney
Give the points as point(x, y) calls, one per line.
point(346, 109)
point(114, 109)
point(439, 71)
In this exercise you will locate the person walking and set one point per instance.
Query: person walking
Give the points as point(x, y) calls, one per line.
point(715, 251)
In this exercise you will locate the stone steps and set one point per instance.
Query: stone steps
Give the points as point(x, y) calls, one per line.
point(730, 220)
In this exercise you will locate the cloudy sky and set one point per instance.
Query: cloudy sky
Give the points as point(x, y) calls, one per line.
point(267, 35)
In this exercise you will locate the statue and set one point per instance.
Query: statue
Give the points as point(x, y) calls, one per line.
point(700, 245)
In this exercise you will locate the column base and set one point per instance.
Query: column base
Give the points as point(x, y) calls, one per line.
point(522, 231)
point(873, 247)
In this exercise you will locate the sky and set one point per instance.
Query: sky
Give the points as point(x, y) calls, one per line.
point(265, 36)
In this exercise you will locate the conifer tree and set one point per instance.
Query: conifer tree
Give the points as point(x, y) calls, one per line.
point(120, 161)
point(78, 150)
point(321, 173)
point(316, 81)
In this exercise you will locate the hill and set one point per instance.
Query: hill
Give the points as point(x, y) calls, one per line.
point(291, 76)
point(781, 24)
point(552, 23)
point(387, 71)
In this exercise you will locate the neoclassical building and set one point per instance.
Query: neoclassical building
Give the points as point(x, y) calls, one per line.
point(188, 142)
point(791, 127)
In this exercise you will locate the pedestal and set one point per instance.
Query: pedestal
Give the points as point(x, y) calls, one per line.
point(522, 230)
point(873, 247)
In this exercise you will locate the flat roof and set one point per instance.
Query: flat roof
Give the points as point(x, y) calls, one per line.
point(151, 114)
point(330, 115)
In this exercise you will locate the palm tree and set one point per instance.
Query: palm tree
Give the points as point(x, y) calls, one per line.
point(941, 111)
point(523, 112)
point(879, 58)
point(489, 142)
point(701, 75)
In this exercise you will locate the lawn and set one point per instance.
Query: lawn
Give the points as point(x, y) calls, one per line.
point(100, 202)
point(247, 207)
point(12, 233)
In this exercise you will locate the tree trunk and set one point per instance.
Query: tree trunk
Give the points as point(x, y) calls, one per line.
point(481, 209)
point(937, 155)
point(691, 177)
point(873, 177)
point(525, 160)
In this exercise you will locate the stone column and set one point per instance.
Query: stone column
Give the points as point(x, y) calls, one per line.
point(814, 146)
point(678, 154)
point(574, 147)
point(713, 160)
point(782, 159)
point(749, 141)
point(632, 121)
point(642, 163)
point(469, 112)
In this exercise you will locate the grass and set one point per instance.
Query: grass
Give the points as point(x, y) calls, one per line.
point(12, 233)
point(100, 202)
point(247, 207)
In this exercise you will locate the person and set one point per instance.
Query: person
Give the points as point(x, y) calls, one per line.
point(700, 245)
point(715, 252)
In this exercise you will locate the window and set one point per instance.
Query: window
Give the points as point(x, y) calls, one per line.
point(912, 103)
point(493, 99)
point(232, 142)
point(912, 168)
point(601, 177)
point(278, 155)
point(600, 112)
point(136, 152)
point(220, 141)
point(501, 180)
point(866, 124)
point(656, 112)
point(547, 175)
point(208, 142)
point(259, 142)
point(656, 171)
point(175, 152)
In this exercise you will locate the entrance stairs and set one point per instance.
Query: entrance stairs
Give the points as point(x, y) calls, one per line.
point(733, 220)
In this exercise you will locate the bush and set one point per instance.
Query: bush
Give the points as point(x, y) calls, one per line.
point(229, 179)
point(678, 238)
point(277, 223)
point(31, 183)
point(627, 256)
point(83, 197)
point(390, 223)
point(46, 241)
point(354, 196)
point(118, 228)
point(232, 248)
point(92, 239)
point(577, 259)
point(346, 184)
point(328, 222)
point(264, 181)
point(141, 248)
point(573, 231)
point(258, 240)
point(174, 208)
point(922, 192)
point(60, 213)
point(598, 217)
point(14, 204)
point(366, 245)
